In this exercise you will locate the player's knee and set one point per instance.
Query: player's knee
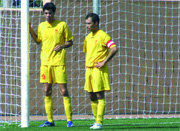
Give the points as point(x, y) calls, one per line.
point(64, 92)
point(48, 93)
point(93, 98)
point(47, 89)
point(100, 95)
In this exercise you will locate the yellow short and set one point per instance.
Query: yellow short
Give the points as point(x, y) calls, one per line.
point(53, 74)
point(97, 79)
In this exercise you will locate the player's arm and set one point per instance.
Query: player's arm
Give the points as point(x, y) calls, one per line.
point(68, 37)
point(112, 52)
point(66, 45)
point(33, 34)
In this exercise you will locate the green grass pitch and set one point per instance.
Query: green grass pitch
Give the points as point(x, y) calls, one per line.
point(153, 124)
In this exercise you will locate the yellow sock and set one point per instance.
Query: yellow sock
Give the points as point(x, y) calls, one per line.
point(67, 108)
point(100, 111)
point(94, 105)
point(49, 108)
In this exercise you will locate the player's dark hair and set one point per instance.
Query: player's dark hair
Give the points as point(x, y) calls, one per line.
point(95, 17)
point(49, 6)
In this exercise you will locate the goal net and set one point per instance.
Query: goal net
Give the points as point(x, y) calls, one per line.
point(144, 74)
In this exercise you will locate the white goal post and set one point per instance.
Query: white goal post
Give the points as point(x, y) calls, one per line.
point(25, 63)
point(144, 74)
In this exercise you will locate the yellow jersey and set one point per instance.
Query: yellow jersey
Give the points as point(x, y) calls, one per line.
point(52, 35)
point(96, 47)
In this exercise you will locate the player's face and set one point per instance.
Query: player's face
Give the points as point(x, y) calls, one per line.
point(90, 25)
point(49, 14)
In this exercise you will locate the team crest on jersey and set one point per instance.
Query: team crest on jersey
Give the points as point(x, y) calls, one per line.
point(43, 76)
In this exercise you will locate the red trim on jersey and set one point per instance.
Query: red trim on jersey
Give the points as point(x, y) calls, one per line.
point(110, 43)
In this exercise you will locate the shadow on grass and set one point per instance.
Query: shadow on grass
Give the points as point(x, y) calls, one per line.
point(123, 127)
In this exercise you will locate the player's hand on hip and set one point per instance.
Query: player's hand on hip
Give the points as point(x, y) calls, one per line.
point(99, 64)
point(58, 48)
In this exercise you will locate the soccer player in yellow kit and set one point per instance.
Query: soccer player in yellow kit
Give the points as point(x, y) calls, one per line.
point(55, 36)
point(99, 49)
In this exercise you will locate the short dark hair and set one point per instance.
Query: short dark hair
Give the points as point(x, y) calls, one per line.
point(49, 6)
point(95, 17)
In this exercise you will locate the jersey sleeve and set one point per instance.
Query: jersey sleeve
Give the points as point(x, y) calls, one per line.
point(84, 48)
point(39, 38)
point(108, 42)
point(67, 33)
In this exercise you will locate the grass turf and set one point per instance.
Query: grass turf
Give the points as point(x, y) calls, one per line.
point(155, 124)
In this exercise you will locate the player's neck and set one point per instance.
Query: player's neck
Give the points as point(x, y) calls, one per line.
point(94, 31)
point(51, 21)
